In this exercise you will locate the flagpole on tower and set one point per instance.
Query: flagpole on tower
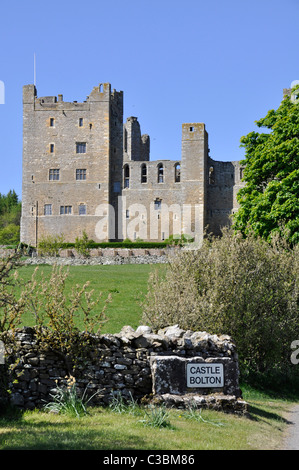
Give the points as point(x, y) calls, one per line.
point(34, 70)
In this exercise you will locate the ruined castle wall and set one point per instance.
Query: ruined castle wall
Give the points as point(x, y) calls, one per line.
point(224, 182)
point(158, 200)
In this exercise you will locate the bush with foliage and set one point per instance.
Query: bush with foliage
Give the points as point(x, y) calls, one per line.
point(56, 312)
point(11, 305)
point(50, 245)
point(244, 287)
point(82, 245)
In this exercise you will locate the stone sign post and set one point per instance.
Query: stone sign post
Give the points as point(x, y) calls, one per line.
point(179, 376)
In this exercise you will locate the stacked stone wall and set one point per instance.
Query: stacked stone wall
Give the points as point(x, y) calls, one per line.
point(118, 363)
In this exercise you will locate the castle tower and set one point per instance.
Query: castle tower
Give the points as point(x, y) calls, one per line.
point(72, 157)
point(136, 146)
point(194, 175)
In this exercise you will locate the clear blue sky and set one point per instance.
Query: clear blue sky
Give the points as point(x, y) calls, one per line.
point(224, 63)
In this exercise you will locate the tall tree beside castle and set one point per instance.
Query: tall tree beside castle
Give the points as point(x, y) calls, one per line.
point(10, 213)
point(269, 202)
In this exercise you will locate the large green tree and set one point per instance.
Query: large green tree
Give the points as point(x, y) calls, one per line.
point(269, 202)
point(10, 213)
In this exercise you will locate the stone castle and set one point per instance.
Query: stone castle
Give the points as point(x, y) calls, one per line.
point(86, 170)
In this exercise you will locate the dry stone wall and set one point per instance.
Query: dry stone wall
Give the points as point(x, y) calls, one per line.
point(105, 256)
point(118, 363)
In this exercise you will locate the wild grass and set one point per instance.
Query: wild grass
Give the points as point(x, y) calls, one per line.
point(125, 428)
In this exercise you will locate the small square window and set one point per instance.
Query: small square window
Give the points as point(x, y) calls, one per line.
point(65, 210)
point(81, 174)
point(54, 175)
point(80, 147)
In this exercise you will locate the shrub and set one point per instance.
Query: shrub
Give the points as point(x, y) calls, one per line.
point(244, 287)
point(83, 244)
point(10, 234)
point(56, 312)
point(50, 245)
point(11, 305)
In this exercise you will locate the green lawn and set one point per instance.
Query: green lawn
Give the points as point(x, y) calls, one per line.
point(103, 429)
point(126, 283)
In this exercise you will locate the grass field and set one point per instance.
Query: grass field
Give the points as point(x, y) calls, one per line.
point(103, 429)
point(126, 283)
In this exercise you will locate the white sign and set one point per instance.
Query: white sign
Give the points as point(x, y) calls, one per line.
point(205, 375)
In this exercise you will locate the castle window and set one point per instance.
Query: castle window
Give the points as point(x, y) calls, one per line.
point(177, 173)
point(127, 214)
point(126, 176)
point(81, 174)
point(101, 88)
point(65, 210)
point(54, 174)
point(211, 175)
point(116, 187)
point(80, 147)
point(241, 173)
point(126, 140)
point(52, 122)
point(52, 148)
point(191, 129)
point(48, 209)
point(143, 173)
point(82, 209)
point(80, 122)
point(160, 173)
point(157, 204)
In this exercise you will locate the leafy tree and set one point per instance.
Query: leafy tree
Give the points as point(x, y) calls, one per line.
point(10, 214)
point(10, 234)
point(269, 202)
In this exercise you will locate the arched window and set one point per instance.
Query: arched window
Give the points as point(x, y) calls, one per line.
point(126, 176)
point(177, 173)
point(211, 175)
point(160, 173)
point(143, 173)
